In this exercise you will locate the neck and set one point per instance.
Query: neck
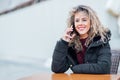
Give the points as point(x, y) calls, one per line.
point(83, 36)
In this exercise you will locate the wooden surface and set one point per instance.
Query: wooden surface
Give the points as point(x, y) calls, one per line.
point(71, 77)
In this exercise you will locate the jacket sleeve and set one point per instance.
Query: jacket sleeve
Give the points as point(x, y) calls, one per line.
point(59, 59)
point(101, 67)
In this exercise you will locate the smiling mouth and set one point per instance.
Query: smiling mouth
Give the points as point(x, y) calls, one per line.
point(81, 28)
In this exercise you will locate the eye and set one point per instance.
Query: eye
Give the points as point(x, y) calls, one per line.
point(77, 20)
point(84, 20)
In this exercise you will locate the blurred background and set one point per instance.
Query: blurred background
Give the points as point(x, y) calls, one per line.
point(29, 30)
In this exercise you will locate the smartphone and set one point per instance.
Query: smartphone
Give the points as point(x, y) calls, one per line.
point(74, 31)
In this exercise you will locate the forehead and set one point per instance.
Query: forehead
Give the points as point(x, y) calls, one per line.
point(81, 14)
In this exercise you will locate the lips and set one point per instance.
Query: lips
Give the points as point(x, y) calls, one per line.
point(81, 27)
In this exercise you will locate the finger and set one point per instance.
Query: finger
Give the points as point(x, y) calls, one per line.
point(71, 26)
point(73, 35)
point(69, 30)
point(68, 36)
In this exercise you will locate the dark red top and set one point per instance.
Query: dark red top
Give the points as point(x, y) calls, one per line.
point(81, 54)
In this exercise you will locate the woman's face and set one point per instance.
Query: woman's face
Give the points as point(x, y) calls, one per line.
point(82, 24)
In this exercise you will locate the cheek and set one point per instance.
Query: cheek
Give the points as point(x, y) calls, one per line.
point(88, 25)
point(76, 28)
point(88, 28)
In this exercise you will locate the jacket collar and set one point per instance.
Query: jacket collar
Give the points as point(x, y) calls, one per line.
point(97, 39)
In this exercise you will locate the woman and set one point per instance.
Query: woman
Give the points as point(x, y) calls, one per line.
point(84, 48)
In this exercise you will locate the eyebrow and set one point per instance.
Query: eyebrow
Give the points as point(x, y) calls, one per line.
point(85, 18)
point(82, 18)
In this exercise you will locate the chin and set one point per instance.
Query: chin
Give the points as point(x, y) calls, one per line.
point(82, 33)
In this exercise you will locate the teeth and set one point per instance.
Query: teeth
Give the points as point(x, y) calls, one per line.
point(82, 28)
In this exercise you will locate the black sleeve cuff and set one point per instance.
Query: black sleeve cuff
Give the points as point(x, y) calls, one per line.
point(63, 41)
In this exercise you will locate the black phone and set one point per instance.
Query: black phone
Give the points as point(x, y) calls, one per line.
point(74, 31)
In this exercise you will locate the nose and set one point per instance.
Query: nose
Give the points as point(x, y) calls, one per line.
point(80, 23)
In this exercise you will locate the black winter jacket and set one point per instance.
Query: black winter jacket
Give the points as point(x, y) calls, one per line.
point(97, 58)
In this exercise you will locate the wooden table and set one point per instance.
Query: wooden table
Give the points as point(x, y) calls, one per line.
point(72, 77)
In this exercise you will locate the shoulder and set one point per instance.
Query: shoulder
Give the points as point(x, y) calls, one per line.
point(104, 36)
point(108, 34)
point(102, 39)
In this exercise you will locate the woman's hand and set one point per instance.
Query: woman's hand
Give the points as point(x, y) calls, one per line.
point(67, 35)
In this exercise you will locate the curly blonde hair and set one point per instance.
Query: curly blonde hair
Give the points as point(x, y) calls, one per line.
point(96, 28)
